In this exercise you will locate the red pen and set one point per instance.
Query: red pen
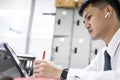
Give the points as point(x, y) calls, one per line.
point(43, 57)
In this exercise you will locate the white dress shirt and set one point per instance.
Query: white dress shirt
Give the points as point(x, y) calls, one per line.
point(95, 70)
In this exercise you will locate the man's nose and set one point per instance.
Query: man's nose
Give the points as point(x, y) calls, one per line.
point(87, 25)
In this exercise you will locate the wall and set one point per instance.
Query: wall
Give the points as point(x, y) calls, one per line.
point(42, 31)
point(14, 21)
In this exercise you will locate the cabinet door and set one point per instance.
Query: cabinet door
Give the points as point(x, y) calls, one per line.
point(60, 51)
point(80, 43)
point(79, 28)
point(83, 47)
point(96, 47)
point(80, 53)
point(63, 21)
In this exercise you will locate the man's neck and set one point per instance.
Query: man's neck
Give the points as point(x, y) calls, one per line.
point(112, 31)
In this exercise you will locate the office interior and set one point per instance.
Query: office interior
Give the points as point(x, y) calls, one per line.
point(31, 27)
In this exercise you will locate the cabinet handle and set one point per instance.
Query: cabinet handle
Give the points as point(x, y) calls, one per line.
point(78, 22)
point(96, 51)
point(56, 49)
point(59, 21)
point(75, 50)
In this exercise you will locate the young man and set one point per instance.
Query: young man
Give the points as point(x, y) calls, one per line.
point(102, 20)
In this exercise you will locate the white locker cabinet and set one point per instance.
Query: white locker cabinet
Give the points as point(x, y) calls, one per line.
point(72, 44)
point(80, 43)
point(80, 53)
point(63, 21)
point(79, 28)
point(88, 48)
point(96, 47)
point(60, 51)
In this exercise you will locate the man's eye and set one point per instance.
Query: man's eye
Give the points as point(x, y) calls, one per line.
point(84, 22)
point(89, 17)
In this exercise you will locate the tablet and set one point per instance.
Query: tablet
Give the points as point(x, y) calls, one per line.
point(18, 65)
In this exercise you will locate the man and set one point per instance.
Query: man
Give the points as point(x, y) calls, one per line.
point(102, 20)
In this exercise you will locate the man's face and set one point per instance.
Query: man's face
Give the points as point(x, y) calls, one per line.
point(95, 22)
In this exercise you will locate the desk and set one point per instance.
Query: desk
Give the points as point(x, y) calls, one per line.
point(34, 79)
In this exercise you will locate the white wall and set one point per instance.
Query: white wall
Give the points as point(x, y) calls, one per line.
point(42, 31)
point(15, 14)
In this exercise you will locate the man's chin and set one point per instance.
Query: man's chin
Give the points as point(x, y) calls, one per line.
point(94, 38)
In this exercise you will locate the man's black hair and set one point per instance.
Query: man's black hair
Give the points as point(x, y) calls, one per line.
point(114, 3)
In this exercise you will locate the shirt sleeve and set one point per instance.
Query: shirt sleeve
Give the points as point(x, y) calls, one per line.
point(78, 73)
point(94, 75)
point(91, 73)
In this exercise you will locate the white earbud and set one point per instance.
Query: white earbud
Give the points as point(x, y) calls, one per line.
point(107, 15)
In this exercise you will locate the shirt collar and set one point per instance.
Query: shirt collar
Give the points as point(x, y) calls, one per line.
point(112, 46)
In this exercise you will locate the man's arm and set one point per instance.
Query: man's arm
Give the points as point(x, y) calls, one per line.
point(94, 75)
point(44, 68)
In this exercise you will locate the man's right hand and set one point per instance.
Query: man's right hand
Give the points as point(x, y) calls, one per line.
point(46, 69)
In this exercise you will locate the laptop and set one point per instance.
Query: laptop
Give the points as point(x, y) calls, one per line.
point(15, 60)
point(20, 69)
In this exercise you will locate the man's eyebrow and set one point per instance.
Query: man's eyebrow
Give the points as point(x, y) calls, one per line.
point(86, 15)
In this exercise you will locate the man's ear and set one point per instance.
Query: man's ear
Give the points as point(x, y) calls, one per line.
point(108, 11)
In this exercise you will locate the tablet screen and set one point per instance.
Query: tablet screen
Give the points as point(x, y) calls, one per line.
point(19, 66)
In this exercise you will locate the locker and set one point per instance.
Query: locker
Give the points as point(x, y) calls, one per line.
point(96, 47)
point(60, 51)
point(78, 49)
point(63, 21)
point(80, 53)
point(80, 43)
point(92, 46)
point(79, 28)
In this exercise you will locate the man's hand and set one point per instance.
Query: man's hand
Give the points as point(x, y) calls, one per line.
point(47, 69)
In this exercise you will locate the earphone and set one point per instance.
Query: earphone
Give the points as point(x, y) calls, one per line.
point(107, 15)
